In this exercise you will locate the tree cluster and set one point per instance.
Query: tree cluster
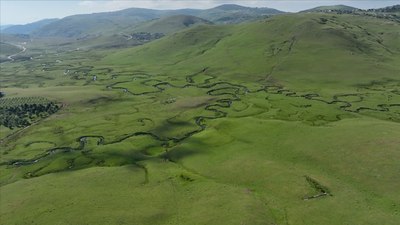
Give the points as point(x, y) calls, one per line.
point(25, 114)
point(145, 36)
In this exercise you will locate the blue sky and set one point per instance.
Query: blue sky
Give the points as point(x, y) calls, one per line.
point(22, 12)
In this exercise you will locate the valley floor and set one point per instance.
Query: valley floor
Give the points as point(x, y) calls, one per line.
point(130, 143)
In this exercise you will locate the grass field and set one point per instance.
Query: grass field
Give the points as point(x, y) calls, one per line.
point(288, 120)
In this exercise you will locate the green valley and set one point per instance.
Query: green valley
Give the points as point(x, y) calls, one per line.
point(182, 118)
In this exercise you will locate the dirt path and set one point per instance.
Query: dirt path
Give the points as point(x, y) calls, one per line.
point(23, 49)
point(127, 36)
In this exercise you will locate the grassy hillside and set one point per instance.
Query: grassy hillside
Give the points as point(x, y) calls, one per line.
point(390, 12)
point(231, 13)
point(95, 24)
point(343, 8)
point(8, 49)
point(292, 49)
point(390, 9)
point(170, 24)
point(290, 120)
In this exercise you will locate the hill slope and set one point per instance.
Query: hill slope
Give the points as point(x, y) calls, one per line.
point(170, 24)
point(343, 8)
point(114, 22)
point(96, 23)
point(389, 9)
point(301, 47)
point(28, 28)
point(231, 13)
point(7, 50)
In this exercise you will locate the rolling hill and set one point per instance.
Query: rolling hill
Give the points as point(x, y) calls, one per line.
point(96, 23)
point(342, 8)
point(231, 13)
point(7, 50)
point(389, 9)
point(89, 25)
point(28, 28)
point(143, 33)
point(170, 24)
point(279, 47)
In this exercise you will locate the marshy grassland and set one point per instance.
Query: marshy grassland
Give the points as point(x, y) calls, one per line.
point(292, 119)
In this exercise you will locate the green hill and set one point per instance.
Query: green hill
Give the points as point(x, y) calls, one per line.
point(305, 48)
point(96, 23)
point(170, 24)
point(342, 8)
point(138, 35)
point(231, 13)
point(89, 25)
point(7, 50)
point(390, 12)
point(389, 9)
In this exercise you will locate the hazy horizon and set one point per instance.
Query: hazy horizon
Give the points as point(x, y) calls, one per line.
point(32, 11)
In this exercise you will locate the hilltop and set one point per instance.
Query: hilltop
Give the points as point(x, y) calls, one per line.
point(27, 28)
point(341, 8)
point(231, 13)
point(170, 24)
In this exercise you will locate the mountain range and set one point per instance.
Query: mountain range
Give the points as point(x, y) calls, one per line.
point(138, 19)
point(78, 26)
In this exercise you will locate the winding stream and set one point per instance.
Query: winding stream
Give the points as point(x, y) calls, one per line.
point(228, 94)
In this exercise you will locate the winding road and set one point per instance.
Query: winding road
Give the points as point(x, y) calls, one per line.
point(127, 36)
point(23, 49)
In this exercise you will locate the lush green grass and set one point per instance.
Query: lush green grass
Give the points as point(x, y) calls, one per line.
point(271, 158)
point(237, 124)
point(7, 49)
point(296, 50)
point(170, 24)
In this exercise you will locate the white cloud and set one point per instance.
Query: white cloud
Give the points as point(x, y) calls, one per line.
point(86, 3)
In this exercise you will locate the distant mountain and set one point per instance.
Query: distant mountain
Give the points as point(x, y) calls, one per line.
point(2, 27)
point(14, 38)
point(389, 9)
point(97, 23)
point(343, 8)
point(91, 25)
point(170, 24)
point(143, 33)
point(231, 13)
point(27, 28)
point(230, 7)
